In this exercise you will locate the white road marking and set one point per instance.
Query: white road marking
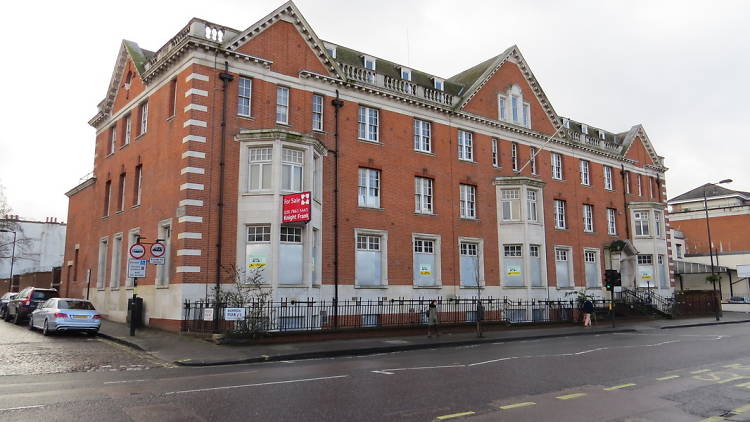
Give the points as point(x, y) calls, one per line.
point(228, 387)
point(22, 408)
point(417, 368)
point(592, 350)
point(123, 382)
point(492, 361)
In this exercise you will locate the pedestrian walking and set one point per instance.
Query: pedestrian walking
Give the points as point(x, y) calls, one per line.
point(432, 319)
point(588, 309)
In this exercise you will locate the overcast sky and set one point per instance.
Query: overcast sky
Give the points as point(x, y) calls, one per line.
point(679, 68)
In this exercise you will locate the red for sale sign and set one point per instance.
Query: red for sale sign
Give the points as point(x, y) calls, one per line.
point(295, 208)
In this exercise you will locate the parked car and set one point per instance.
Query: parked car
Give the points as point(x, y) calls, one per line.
point(66, 314)
point(739, 299)
point(21, 306)
point(4, 303)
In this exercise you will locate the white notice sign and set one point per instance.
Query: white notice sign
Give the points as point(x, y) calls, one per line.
point(137, 268)
point(743, 271)
point(208, 314)
point(157, 261)
point(234, 314)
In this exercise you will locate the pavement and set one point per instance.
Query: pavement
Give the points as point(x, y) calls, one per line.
point(187, 350)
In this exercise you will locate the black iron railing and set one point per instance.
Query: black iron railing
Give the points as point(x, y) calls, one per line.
point(261, 316)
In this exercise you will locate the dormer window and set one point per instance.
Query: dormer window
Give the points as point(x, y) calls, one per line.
point(566, 123)
point(331, 49)
point(406, 73)
point(438, 84)
point(584, 129)
point(601, 134)
point(368, 62)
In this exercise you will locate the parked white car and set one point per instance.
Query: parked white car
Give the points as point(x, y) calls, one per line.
point(66, 314)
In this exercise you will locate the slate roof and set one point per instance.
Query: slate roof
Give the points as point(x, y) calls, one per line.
point(617, 138)
point(139, 55)
point(711, 190)
point(353, 57)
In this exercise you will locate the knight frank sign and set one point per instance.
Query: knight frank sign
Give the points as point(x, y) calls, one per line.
point(296, 208)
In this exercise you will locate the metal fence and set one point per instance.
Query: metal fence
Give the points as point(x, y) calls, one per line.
point(257, 317)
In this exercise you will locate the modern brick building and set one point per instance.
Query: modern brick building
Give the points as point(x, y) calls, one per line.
point(421, 185)
point(729, 217)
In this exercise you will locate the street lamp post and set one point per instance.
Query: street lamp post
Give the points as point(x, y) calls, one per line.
point(12, 256)
point(710, 247)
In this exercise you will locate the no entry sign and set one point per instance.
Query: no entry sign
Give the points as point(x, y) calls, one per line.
point(157, 249)
point(295, 208)
point(137, 251)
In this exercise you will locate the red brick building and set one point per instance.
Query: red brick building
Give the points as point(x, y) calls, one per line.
point(421, 185)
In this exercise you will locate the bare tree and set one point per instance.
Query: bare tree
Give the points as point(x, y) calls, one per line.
point(249, 291)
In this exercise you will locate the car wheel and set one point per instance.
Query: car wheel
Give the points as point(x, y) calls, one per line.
point(31, 324)
point(45, 329)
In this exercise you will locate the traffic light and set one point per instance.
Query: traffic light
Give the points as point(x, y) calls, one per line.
point(612, 278)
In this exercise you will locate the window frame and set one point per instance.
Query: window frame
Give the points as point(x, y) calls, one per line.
point(244, 96)
point(290, 166)
point(382, 235)
point(282, 104)
point(422, 136)
point(533, 153)
point(585, 169)
point(465, 145)
point(368, 119)
point(557, 165)
point(366, 202)
point(263, 165)
point(612, 221)
point(588, 218)
point(514, 155)
point(495, 153)
point(532, 205)
point(467, 201)
point(143, 118)
point(509, 197)
point(639, 223)
point(608, 180)
point(317, 115)
point(137, 185)
point(561, 222)
point(424, 201)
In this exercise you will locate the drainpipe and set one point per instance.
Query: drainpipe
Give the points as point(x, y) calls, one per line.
point(337, 104)
point(625, 202)
point(225, 77)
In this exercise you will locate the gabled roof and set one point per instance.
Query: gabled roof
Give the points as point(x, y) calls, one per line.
point(290, 13)
point(477, 76)
point(638, 131)
point(711, 191)
point(128, 50)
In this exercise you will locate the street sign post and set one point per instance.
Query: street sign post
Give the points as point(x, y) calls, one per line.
point(137, 268)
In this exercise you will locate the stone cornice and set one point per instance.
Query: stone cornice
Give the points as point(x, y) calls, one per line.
point(518, 180)
point(271, 135)
point(83, 185)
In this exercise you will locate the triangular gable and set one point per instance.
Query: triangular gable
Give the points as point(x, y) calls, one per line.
point(639, 147)
point(129, 58)
point(288, 12)
point(512, 55)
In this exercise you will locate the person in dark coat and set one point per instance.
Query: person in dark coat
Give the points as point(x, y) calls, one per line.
point(588, 309)
point(432, 319)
